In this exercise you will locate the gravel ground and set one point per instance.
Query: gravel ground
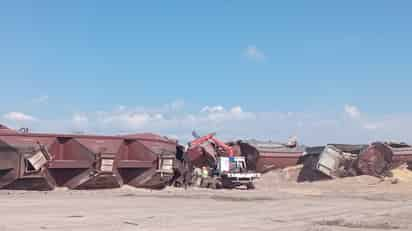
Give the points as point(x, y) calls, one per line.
point(359, 203)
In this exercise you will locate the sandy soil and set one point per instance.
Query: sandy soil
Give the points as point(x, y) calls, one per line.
point(360, 203)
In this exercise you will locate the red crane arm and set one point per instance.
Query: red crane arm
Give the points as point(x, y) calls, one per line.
point(211, 137)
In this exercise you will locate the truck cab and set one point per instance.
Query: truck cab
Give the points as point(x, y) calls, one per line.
point(231, 172)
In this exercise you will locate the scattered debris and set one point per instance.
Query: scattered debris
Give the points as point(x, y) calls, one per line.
point(358, 225)
point(76, 216)
point(401, 174)
point(130, 223)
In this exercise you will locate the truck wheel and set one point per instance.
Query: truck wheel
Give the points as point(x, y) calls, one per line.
point(228, 184)
point(250, 186)
point(219, 185)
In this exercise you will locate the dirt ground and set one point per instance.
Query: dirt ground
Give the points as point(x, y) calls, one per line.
point(360, 203)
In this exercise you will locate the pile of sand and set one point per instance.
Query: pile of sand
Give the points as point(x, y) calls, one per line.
point(402, 174)
point(279, 177)
point(363, 180)
point(288, 177)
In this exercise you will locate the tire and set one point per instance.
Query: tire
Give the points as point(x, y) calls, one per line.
point(250, 186)
point(228, 184)
point(219, 185)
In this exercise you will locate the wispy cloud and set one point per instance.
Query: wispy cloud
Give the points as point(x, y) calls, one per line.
point(371, 126)
point(80, 119)
point(213, 109)
point(18, 117)
point(220, 114)
point(252, 52)
point(235, 122)
point(352, 111)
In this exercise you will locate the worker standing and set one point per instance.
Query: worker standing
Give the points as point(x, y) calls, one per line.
point(205, 172)
point(197, 174)
point(205, 176)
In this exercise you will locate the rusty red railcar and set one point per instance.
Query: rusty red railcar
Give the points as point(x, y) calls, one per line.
point(402, 153)
point(265, 156)
point(42, 161)
point(148, 160)
point(23, 163)
point(202, 155)
point(204, 151)
point(260, 156)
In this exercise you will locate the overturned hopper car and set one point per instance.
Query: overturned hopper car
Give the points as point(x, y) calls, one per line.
point(266, 156)
point(34, 161)
point(402, 153)
point(342, 160)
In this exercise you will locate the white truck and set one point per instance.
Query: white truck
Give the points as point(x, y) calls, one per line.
point(231, 172)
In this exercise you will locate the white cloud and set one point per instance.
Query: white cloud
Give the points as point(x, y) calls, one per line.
point(18, 117)
point(80, 119)
point(352, 111)
point(128, 119)
point(254, 53)
point(362, 121)
point(235, 122)
point(236, 110)
point(214, 109)
point(220, 114)
point(371, 126)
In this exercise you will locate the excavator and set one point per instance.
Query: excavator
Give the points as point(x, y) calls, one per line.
point(226, 169)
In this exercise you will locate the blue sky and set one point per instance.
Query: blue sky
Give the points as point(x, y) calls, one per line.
point(264, 69)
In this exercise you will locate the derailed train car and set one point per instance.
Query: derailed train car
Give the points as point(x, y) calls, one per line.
point(260, 156)
point(34, 161)
point(402, 153)
point(343, 160)
point(265, 156)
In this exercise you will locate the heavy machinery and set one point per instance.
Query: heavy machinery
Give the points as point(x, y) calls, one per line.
point(226, 169)
point(232, 172)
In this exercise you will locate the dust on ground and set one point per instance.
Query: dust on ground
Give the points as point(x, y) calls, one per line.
point(350, 204)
